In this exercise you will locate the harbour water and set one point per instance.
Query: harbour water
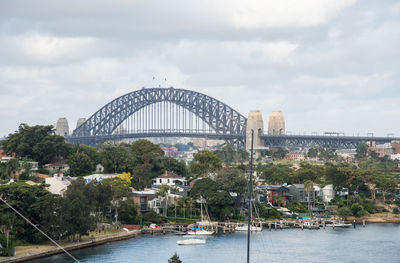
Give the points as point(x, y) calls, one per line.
point(375, 243)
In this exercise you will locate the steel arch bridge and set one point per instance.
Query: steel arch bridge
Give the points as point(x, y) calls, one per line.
point(162, 112)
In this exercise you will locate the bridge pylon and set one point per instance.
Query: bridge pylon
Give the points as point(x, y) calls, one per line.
point(255, 122)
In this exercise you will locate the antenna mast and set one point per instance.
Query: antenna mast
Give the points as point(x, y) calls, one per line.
point(250, 197)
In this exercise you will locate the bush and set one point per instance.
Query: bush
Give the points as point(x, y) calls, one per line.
point(344, 212)
point(357, 210)
point(396, 211)
point(152, 217)
point(296, 207)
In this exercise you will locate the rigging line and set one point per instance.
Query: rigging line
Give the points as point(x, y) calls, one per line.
point(27, 220)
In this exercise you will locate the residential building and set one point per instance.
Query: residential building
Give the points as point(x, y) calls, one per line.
point(98, 177)
point(173, 180)
point(299, 194)
point(143, 199)
point(58, 184)
point(328, 193)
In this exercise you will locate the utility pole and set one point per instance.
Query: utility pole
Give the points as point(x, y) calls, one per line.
point(250, 197)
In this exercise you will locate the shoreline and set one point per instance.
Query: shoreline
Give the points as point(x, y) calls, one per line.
point(75, 246)
point(382, 219)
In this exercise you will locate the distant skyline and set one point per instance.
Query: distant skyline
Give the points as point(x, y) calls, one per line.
point(329, 65)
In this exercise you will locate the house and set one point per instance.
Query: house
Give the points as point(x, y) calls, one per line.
point(328, 193)
point(98, 177)
point(277, 195)
point(99, 168)
point(56, 167)
point(299, 194)
point(143, 199)
point(173, 180)
point(58, 184)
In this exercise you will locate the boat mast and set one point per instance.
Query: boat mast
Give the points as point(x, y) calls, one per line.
point(250, 197)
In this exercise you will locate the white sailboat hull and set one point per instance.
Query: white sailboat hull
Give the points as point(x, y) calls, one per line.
point(252, 228)
point(191, 241)
point(201, 232)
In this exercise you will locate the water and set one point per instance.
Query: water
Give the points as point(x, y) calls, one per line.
point(375, 243)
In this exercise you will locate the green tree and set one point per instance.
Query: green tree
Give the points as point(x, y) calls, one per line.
point(174, 165)
point(26, 170)
point(115, 158)
point(344, 212)
point(361, 151)
point(232, 180)
point(386, 183)
point(80, 164)
point(77, 209)
point(36, 142)
point(357, 210)
point(174, 259)
point(308, 186)
point(13, 167)
point(128, 212)
point(205, 162)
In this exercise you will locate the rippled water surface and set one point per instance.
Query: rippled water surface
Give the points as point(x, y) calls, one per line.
point(375, 243)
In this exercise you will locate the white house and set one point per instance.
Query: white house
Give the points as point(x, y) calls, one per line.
point(328, 193)
point(98, 177)
point(58, 184)
point(170, 179)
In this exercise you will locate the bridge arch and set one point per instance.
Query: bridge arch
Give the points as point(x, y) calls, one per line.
point(221, 118)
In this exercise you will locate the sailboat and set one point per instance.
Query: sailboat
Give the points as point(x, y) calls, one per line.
point(255, 225)
point(205, 221)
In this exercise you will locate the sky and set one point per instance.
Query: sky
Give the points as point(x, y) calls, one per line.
point(329, 65)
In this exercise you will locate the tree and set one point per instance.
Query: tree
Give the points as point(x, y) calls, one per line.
point(7, 221)
point(174, 259)
point(174, 165)
point(232, 180)
point(344, 212)
point(26, 170)
point(205, 162)
point(308, 186)
point(77, 215)
point(357, 210)
point(128, 212)
point(385, 183)
point(361, 151)
point(36, 142)
point(115, 158)
point(13, 167)
point(163, 193)
point(80, 164)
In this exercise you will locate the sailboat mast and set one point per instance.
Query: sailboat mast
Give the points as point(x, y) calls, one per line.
point(250, 197)
point(201, 208)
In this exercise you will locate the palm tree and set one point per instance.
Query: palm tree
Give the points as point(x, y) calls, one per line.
point(163, 193)
point(6, 225)
point(308, 186)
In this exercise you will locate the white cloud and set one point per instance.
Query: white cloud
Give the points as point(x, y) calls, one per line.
point(284, 13)
point(48, 48)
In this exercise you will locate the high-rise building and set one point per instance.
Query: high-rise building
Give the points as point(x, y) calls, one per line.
point(276, 123)
point(62, 127)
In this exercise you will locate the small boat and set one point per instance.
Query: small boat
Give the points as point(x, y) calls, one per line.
point(339, 224)
point(200, 232)
point(191, 241)
point(245, 227)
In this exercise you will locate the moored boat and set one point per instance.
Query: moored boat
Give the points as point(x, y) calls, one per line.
point(245, 227)
point(191, 241)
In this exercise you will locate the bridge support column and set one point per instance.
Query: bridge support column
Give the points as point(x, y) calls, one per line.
point(255, 122)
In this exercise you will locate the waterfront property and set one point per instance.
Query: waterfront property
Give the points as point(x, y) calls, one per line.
point(374, 243)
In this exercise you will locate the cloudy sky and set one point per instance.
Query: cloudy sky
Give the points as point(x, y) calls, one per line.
point(329, 65)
